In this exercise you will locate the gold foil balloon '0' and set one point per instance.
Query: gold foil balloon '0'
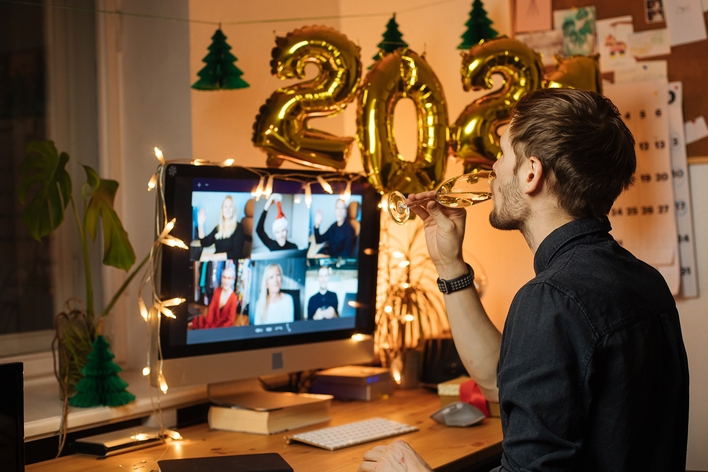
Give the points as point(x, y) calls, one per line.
point(402, 74)
point(475, 136)
point(281, 127)
point(580, 72)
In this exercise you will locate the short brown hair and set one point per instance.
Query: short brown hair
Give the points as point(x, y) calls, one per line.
point(580, 138)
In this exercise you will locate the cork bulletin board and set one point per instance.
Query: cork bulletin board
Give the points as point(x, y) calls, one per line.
point(687, 63)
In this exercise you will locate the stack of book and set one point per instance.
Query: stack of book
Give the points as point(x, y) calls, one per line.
point(268, 412)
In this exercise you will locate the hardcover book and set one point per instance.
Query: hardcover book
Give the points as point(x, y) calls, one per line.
point(268, 412)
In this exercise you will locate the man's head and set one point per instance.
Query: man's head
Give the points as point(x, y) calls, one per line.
point(586, 150)
point(323, 277)
point(280, 227)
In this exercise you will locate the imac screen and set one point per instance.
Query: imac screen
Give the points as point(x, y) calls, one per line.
point(290, 268)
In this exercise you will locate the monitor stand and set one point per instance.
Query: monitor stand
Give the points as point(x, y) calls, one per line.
point(250, 394)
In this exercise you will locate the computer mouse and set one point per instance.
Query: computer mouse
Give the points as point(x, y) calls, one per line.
point(458, 414)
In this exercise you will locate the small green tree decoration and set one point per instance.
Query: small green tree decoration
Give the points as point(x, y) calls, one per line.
point(220, 72)
point(101, 385)
point(392, 39)
point(478, 27)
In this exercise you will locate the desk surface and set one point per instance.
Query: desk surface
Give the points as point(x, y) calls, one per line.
point(445, 449)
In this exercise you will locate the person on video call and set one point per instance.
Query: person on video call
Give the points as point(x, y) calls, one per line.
point(227, 237)
point(224, 303)
point(273, 306)
point(592, 343)
point(340, 235)
point(280, 227)
point(323, 304)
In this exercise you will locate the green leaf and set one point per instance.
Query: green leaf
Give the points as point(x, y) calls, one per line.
point(586, 29)
point(92, 182)
point(45, 187)
point(117, 250)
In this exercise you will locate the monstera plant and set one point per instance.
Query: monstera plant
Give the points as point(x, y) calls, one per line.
point(46, 192)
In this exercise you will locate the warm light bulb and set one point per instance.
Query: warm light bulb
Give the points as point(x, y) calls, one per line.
point(174, 301)
point(228, 162)
point(143, 309)
point(403, 264)
point(358, 337)
point(174, 242)
point(167, 312)
point(162, 382)
point(259, 189)
point(146, 371)
point(325, 185)
point(172, 434)
point(388, 309)
point(398, 255)
point(347, 192)
point(153, 182)
point(269, 187)
point(308, 195)
point(170, 226)
point(408, 318)
point(159, 156)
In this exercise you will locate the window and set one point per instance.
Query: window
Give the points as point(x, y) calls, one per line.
point(47, 91)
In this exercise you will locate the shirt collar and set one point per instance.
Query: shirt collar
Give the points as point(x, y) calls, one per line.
point(563, 235)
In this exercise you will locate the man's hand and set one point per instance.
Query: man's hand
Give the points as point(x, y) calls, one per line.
point(395, 457)
point(318, 218)
point(444, 231)
point(274, 197)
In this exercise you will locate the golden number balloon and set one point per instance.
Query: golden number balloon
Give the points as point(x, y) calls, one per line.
point(578, 72)
point(402, 74)
point(475, 136)
point(281, 128)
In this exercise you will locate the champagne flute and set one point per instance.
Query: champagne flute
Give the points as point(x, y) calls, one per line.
point(457, 192)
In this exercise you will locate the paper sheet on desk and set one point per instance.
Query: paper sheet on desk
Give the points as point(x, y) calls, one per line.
point(643, 217)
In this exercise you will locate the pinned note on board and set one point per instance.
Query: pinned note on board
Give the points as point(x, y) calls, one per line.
point(695, 129)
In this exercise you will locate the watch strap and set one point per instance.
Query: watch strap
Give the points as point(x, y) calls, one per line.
point(458, 283)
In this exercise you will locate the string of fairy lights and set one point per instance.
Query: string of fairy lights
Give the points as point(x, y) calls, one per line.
point(159, 308)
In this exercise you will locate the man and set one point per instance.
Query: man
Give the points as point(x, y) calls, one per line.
point(340, 234)
point(280, 226)
point(323, 304)
point(590, 371)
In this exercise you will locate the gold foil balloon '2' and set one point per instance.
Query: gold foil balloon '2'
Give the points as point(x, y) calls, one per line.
point(281, 128)
point(579, 72)
point(475, 135)
point(402, 74)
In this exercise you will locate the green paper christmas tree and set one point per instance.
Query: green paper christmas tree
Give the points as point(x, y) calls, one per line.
point(478, 27)
point(101, 385)
point(392, 39)
point(220, 72)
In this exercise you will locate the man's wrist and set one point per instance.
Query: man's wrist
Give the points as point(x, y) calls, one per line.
point(458, 283)
point(452, 270)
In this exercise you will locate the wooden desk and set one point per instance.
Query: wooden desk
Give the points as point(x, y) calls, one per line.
point(445, 449)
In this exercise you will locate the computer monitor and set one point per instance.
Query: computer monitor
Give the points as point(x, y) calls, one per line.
point(281, 289)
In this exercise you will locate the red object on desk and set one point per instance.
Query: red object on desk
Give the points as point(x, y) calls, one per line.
point(471, 393)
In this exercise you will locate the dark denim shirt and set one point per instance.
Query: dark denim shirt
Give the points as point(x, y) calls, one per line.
point(593, 373)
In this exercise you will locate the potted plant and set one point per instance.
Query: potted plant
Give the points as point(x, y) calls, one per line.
point(46, 192)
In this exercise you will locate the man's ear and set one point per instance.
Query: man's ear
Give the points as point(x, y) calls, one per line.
point(533, 175)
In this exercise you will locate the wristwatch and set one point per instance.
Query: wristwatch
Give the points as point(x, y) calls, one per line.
point(453, 285)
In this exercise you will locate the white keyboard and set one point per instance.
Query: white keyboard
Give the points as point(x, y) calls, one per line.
point(351, 434)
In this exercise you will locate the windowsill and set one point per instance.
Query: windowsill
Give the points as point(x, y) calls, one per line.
point(43, 406)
